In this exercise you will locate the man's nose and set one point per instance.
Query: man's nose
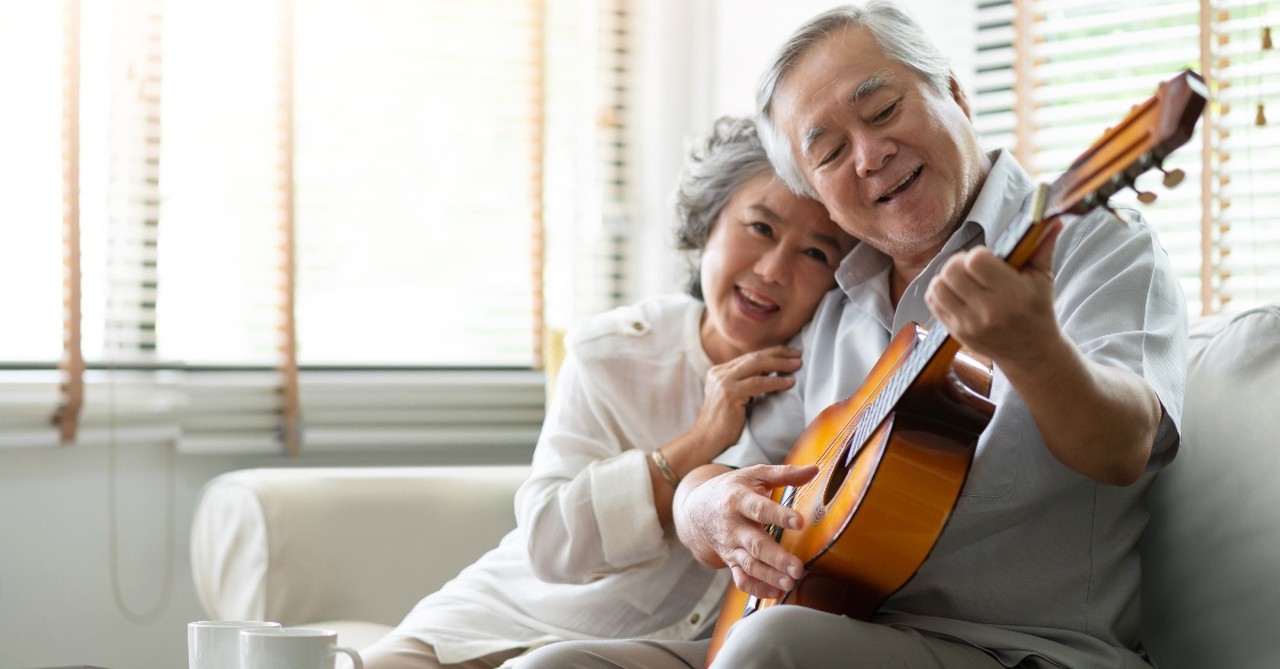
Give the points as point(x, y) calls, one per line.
point(871, 154)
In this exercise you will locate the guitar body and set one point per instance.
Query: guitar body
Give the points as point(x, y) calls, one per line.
point(871, 520)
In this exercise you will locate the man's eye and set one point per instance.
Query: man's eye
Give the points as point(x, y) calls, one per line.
point(886, 112)
point(835, 153)
point(762, 228)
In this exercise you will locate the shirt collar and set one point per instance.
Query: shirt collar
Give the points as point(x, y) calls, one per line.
point(863, 274)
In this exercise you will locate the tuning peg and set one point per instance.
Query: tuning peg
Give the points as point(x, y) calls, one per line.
point(1173, 177)
point(1145, 196)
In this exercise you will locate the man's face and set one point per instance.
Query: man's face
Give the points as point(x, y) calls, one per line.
point(896, 162)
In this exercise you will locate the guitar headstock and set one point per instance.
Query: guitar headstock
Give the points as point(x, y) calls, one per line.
point(1140, 142)
point(1151, 131)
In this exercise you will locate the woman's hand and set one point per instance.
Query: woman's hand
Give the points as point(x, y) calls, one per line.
point(720, 516)
point(729, 388)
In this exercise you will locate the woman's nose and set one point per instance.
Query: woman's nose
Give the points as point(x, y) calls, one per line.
point(772, 266)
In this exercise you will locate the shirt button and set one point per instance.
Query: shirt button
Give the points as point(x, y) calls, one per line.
point(693, 619)
point(637, 326)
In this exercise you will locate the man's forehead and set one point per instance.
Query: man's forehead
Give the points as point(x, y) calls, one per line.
point(845, 65)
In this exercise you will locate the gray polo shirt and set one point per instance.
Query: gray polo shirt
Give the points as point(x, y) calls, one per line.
point(1036, 559)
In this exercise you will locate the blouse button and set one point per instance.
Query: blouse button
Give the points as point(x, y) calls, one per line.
point(693, 619)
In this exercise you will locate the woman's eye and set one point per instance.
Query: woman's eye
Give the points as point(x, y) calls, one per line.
point(817, 254)
point(761, 228)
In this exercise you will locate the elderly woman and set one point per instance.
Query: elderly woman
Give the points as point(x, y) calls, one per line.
point(646, 394)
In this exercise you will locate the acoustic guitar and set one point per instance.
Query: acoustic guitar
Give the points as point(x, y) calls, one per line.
point(893, 457)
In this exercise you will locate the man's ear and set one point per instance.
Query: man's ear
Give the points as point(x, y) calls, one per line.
point(957, 94)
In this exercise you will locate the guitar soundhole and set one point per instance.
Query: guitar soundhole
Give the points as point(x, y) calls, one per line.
point(839, 472)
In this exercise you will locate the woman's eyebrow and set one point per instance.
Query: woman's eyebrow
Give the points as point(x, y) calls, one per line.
point(767, 213)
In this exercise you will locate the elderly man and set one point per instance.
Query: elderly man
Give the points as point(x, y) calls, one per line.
point(1037, 565)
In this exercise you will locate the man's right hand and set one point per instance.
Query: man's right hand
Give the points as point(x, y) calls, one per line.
point(720, 514)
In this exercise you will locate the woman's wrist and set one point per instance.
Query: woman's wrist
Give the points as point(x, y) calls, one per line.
point(664, 468)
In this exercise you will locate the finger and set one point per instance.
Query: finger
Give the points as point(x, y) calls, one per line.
point(1042, 259)
point(958, 275)
point(754, 586)
point(764, 560)
point(764, 362)
point(760, 385)
point(986, 270)
point(776, 476)
point(944, 302)
point(762, 509)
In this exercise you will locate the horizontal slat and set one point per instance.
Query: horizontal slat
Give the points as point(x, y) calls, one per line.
point(251, 443)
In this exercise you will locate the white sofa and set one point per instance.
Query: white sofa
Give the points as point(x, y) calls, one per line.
point(356, 548)
point(348, 548)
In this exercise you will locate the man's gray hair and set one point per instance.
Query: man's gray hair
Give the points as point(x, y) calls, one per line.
point(901, 38)
point(718, 165)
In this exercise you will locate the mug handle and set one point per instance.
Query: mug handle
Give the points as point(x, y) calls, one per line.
point(356, 662)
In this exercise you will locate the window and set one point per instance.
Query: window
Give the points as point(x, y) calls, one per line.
point(327, 231)
point(1054, 74)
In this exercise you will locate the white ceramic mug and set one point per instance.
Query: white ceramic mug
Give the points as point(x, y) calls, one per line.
point(215, 644)
point(292, 648)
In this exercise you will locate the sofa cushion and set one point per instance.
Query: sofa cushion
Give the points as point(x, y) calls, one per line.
point(1211, 554)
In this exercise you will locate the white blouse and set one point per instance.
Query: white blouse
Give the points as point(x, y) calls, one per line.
point(589, 558)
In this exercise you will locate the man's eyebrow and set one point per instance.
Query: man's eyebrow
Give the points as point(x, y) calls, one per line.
point(810, 137)
point(863, 90)
point(868, 87)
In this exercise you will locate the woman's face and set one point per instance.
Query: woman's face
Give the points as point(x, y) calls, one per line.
point(769, 259)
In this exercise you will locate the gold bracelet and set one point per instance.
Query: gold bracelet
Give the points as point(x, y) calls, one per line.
point(664, 467)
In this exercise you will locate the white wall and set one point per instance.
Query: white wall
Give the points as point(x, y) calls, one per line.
point(701, 60)
point(57, 606)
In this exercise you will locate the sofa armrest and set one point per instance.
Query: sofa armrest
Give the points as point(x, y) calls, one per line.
point(299, 545)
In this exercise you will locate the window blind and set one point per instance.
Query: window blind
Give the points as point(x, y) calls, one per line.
point(366, 177)
point(41, 382)
point(588, 240)
point(415, 160)
point(1077, 66)
point(1245, 154)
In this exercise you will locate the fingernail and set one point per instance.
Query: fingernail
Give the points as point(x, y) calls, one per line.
point(793, 523)
point(785, 583)
point(796, 571)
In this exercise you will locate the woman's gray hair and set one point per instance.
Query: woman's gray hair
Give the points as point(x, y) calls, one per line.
point(718, 165)
point(901, 38)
